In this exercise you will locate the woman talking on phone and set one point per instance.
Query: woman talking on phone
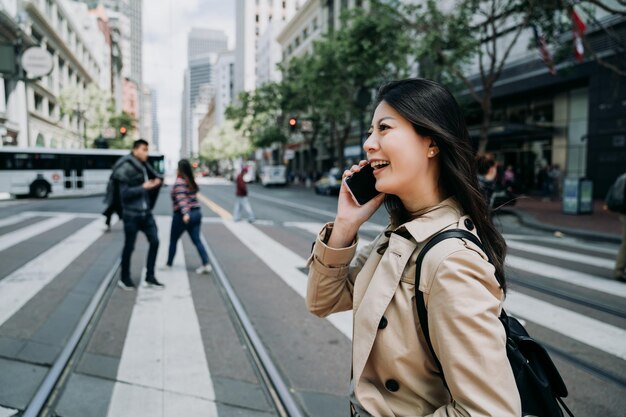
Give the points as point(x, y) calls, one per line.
point(423, 164)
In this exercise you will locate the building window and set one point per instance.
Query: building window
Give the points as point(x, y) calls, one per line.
point(344, 4)
point(305, 33)
point(315, 24)
point(51, 109)
point(40, 141)
point(38, 103)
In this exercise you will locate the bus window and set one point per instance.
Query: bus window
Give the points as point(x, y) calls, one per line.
point(6, 161)
point(44, 161)
point(23, 161)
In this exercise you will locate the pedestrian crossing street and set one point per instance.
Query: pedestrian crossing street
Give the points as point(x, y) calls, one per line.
point(163, 370)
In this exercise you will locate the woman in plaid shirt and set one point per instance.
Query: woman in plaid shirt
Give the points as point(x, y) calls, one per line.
point(187, 215)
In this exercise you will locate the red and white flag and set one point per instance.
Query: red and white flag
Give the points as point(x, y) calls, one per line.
point(544, 52)
point(578, 29)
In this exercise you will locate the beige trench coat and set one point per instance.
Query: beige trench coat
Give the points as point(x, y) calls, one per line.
point(393, 371)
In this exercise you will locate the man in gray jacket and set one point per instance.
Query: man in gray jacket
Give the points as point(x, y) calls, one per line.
point(139, 187)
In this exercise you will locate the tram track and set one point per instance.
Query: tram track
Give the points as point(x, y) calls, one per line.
point(275, 386)
point(49, 392)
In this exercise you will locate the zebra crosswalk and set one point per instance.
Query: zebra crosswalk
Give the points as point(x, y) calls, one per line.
point(163, 368)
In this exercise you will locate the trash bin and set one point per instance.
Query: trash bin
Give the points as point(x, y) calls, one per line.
point(577, 196)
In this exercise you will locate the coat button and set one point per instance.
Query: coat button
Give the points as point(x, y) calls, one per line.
point(469, 224)
point(383, 323)
point(392, 385)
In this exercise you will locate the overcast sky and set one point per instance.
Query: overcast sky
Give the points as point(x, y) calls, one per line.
point(166, 24)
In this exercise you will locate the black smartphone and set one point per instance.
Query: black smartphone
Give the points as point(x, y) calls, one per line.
point(362, 185)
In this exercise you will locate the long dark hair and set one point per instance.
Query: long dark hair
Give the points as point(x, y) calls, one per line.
point(433, 112)
point(184, 169)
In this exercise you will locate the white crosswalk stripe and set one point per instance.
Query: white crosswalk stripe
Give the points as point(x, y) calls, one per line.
point(163, 369)
point(20, 217)
point(603, 336)
point(558, 273)
point(561, 254)
point(285, 264)
point(20, 286)
point(35, 229)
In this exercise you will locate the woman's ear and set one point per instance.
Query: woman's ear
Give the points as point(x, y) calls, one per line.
point(433, 149)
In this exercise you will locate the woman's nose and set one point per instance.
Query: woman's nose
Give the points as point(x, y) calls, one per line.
point(370, 144)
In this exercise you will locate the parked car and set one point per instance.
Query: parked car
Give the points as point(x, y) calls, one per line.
point(329, 183)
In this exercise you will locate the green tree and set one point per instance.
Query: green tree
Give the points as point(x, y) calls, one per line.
point(367, 50)
point(480, 31)
point(92, 105)
point(118, 121)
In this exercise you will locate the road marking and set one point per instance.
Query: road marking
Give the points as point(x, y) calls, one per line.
point(7, 412)
point(331, 214)
point(566, 275)
point(8, 221)
point(589, 331)
point(20, 286)
point(563, 241)
point(285, 263)
point(595, 333)
point(64, 213)
point(163, 369)
point(561, 254)
point(223, 213)
point(25, 233)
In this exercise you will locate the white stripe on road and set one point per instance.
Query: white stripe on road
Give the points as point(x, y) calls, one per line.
point(331, 214)
point(7, 221)
point(574, 244)
point(589, 331)
point(25, 233)
point(602, 336)
point(581, 279)
point(163, 370)
point(20, 286)
point(285, 264)
point(561, 254)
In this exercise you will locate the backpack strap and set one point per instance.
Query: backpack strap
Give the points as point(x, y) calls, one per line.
point(419, 298)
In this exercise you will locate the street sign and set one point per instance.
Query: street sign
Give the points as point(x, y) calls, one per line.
point(289, 154)
point(307, 126)
point(37, 62)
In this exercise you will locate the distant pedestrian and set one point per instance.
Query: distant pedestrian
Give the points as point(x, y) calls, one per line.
point(555, 181)
point(139, 189)
point(487, 170)
point(242, 201)
point(187, 215)
point(616, 202)
point(508, 179)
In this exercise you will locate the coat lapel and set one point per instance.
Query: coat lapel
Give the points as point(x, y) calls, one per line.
point(376, 298)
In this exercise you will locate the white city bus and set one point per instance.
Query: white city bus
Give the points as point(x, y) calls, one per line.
point(41, 171)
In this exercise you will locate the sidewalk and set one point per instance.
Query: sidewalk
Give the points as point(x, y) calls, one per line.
point(548, 215)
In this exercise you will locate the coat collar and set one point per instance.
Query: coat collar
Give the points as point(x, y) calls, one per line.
point(433, 219)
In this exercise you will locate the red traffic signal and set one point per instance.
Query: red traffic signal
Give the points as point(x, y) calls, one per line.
point(292, 124)
point(123, 131)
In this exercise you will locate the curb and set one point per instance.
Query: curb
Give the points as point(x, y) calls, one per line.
point(530, 221)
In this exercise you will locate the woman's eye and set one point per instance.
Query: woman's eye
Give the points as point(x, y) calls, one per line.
point(383, 127)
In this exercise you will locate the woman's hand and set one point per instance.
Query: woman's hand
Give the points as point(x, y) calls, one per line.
point(186, 218)
point(350, 216)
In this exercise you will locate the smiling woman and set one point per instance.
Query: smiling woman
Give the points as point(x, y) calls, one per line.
point(422, 159)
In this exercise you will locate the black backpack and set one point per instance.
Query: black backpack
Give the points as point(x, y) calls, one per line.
point(538, 381)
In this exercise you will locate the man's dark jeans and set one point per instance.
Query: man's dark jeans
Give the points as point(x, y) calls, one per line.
point(133, 223)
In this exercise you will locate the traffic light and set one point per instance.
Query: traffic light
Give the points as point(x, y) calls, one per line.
point(123, 131)
point(293, 124)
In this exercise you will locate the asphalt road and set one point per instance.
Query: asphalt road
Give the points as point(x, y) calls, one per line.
point(560, 287)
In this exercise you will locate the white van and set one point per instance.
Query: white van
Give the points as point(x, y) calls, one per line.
point(274, 175)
